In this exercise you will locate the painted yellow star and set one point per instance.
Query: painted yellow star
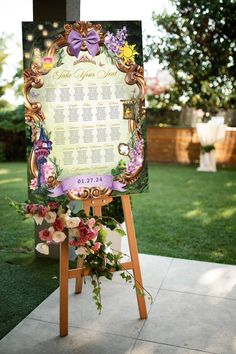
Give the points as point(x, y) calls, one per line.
point(127, 53)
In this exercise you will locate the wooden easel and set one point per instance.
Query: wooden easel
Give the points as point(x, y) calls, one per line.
point(79, 272)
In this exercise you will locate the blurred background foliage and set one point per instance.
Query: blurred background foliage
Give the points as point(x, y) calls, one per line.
point(197, 45)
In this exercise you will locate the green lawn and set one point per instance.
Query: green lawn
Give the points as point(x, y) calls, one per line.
point(13, 183)
point(187, 214)
point(25, 280)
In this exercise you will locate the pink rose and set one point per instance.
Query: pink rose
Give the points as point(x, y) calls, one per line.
point(81, 223)
point(74, 243)
point(48, 170)
point(33, 184)
point(96, 246)
point(31, 209)
point(59, 224)
point(53, 205)
point(42, 211)
point(91, 222)
point(92, 235)
point(84, 232)
point(45, 235)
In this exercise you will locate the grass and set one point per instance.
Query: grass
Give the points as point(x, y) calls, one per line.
point(15, 235)
point(25, 280)
point(187, 214)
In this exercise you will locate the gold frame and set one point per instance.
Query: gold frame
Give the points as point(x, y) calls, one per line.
point(33, 78)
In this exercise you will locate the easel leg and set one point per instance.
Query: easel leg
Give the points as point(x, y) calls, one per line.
point(64, 268)
point(134, 254)
point(79, 279)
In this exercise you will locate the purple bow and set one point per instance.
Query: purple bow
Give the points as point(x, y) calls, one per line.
point(76, 41)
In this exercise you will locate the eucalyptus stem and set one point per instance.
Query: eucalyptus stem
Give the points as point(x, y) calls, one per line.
point(111, 218)
point(126, 270)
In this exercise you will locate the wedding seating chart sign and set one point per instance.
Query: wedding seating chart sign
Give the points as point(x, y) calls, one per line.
point(84, 106)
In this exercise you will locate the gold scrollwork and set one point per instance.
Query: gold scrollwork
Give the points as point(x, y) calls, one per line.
point(33, 79)
point(90, 193)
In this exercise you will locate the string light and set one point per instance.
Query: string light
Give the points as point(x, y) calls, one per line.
point(47, 43)
point(30, 37)
point(55, 24)
point(27, 55)
point(45, 33)
point(40, 27)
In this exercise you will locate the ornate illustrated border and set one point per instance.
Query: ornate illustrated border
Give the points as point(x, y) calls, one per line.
point(33, 78)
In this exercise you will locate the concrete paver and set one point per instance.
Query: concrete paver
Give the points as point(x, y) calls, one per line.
point(193, 312)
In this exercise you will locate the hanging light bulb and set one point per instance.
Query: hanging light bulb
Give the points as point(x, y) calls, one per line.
point(48, 42)
point(29, 37)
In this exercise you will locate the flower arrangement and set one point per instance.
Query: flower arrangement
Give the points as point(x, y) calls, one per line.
point(118, 47)
point(87, 234)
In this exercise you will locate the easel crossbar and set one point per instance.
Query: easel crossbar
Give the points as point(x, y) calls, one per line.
point(77, 272)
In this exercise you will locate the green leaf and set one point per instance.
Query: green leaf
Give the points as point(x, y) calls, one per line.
point(120, 231)
point(102, 235)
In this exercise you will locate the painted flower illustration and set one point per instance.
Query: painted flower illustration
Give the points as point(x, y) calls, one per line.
point(113, 42)
point(128, 52)
point(123, 149)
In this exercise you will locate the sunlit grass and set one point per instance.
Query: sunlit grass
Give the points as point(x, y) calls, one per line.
point(193, 213)
point(15, 234)
point(228, 212)
point(11, 180)
point(188, 214)
point(4, 171)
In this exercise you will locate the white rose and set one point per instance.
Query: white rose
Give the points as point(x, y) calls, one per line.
point(58, 236)
point(38, 219)
point(50, 217)
point(62, 214)
point(108, 250)
point(71, 223)
point(81, 251)
point(42, 248)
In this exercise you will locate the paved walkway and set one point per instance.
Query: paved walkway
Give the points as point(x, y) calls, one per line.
point(194, 311)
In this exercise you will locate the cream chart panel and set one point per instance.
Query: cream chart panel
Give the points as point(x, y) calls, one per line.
point(82, 104)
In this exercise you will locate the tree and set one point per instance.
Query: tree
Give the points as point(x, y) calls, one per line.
point(197, 44)
point(12, 126)
point(3, 58)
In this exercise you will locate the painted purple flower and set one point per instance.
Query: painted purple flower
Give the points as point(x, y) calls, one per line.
point(114, 42)
point(136, 157)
